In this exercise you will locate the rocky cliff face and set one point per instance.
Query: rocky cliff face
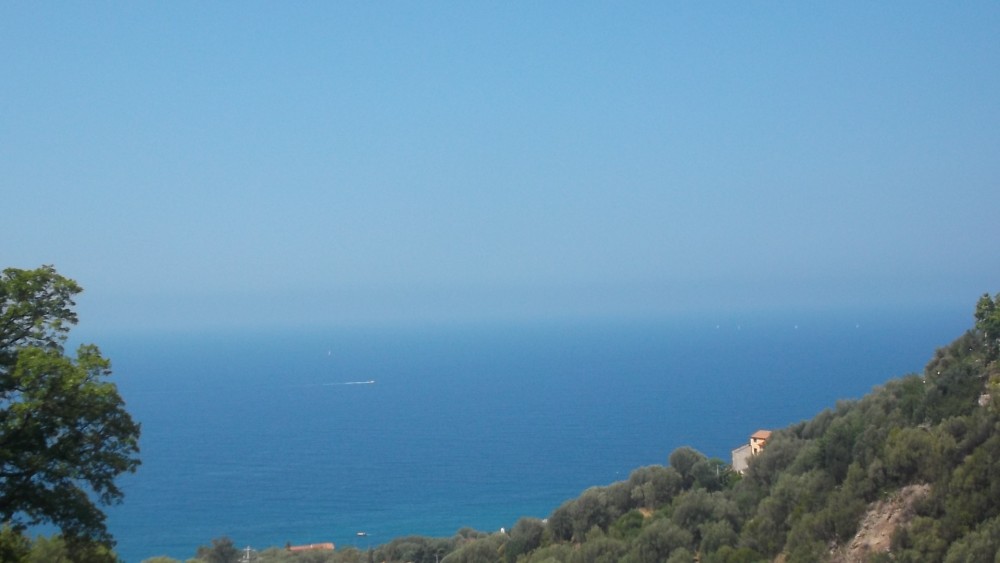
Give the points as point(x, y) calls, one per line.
point(879, 524)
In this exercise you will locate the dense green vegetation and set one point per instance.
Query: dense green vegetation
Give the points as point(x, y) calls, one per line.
point(802, 498)
point(65, 435)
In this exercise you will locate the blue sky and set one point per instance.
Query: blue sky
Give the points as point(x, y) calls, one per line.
point(201, 164)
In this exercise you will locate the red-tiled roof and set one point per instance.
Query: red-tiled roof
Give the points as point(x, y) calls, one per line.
point(761, 435)
point(312, 547)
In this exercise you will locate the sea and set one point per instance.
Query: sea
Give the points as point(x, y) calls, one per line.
point(359, 435)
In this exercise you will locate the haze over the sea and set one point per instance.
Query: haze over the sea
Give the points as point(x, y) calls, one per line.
point(276, 436)
point(550, 231)
point(198, 165)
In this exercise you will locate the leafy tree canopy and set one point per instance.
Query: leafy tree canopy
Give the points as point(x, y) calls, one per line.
point(64, 432)
point(988, 321)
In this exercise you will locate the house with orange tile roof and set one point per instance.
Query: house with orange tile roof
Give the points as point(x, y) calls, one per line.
point(742, 454)
point(310, 547)
point(758, 440)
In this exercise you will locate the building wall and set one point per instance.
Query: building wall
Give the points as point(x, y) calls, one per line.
point(741, 457)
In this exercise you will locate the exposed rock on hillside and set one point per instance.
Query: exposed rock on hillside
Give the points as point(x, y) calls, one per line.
point(881, 521)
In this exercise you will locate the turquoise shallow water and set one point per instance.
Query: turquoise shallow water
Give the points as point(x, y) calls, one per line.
point(274, 436)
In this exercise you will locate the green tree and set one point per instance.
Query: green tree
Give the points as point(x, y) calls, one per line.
point(560, 525)
point(601, 549)
point(836, 446)
point(973, 493)
point(697, 507)
point(683, 459)
point(658, 540)
point(988, 322)
point(716, 534)
point(727, 554)
point(556, 553)
point(907, 451)
point(525, 536)
point(589, 510)
point(628, 526)
point(418, 549)
point(482, 550)
point(222, 550)
point(767, 467)
point(48, 550)
point(681, 555)
point(64, 433)
point(922, 540)
point(712, 474)
point(955, 379)
point(983, 544)
point(653, 486)
point(14, 546)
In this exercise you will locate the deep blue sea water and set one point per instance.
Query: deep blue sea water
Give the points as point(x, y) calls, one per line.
point(264, 436)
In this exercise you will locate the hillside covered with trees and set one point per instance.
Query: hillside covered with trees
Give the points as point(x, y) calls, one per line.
point(933, 437)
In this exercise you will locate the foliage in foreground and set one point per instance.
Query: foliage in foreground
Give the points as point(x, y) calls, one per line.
point(65, 435)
